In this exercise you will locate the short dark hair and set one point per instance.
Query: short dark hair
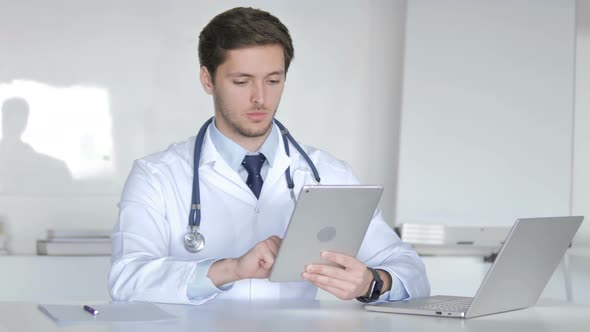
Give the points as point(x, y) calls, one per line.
point(241, 27)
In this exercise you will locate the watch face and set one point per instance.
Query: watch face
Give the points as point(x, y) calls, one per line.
point(371, 289)
point(377, 287)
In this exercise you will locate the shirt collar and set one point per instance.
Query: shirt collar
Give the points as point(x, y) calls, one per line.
point(234, 154)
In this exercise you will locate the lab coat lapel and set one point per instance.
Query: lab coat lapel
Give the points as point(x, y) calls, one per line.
point(221, 174)
point(276, 174)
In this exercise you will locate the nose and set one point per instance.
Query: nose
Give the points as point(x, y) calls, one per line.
point(257, 95)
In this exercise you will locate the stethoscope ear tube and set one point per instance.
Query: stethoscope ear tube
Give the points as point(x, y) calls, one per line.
point(287, 137)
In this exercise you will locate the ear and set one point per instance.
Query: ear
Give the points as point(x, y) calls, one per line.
point(206, 80)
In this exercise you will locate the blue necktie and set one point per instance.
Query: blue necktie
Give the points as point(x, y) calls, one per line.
point(253, 164)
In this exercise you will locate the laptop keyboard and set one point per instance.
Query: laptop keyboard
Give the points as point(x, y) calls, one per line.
point(460, 305)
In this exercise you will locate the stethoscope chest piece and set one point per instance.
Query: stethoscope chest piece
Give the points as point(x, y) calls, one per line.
point(194, 240)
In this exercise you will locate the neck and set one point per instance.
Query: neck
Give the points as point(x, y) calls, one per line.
point(251, 144)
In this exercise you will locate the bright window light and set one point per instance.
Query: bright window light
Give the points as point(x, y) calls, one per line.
point(72, 124)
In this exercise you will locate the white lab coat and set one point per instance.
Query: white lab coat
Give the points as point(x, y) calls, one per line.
point(150, 263)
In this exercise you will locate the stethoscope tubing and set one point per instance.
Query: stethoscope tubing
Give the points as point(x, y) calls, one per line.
point(195, 208)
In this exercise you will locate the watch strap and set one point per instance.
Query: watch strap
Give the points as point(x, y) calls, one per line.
point(374, 290)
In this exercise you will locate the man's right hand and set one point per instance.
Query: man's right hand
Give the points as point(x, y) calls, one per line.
point(255, 264)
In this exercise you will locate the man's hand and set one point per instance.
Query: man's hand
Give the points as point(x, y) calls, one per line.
point(255, 264)
point(350, 281)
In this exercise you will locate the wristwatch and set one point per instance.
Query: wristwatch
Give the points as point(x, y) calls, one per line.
point(374, 290)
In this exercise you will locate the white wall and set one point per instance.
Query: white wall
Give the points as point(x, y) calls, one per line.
point(119, 80)
point(108, 82)
point(581, 178)
point(487, 111)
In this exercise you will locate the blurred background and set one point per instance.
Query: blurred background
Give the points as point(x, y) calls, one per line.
point(468, 112)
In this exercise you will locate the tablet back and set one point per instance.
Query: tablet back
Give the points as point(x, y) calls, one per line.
point(325, 218)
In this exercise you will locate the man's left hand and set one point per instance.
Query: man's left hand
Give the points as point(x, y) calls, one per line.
point(347, 282)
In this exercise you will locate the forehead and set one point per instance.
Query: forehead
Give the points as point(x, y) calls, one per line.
point(253, 60)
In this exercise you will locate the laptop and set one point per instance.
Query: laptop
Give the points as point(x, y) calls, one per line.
point(533, 249)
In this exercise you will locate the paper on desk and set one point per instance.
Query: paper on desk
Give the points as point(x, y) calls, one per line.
point(108, 313)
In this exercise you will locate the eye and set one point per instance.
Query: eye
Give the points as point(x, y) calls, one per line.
point(240, 83)
point(273, 82)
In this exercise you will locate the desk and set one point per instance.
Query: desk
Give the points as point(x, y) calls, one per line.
point(311, 316)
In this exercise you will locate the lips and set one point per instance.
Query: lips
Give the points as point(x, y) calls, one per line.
point(257, 116)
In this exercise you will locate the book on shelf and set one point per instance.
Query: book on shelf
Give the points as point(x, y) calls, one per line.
point(453, 240)
point(75, 242)
point(73, 248)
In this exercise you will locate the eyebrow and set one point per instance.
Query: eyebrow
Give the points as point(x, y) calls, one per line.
point(240, 74)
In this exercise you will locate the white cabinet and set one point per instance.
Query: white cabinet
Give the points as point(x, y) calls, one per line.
point(50, 279)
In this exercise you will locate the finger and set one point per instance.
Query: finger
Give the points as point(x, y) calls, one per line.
point(276, 240)
point(272, 246)
point(348, 262)
point(265, 264)
point(321, 280)
point(354, 276)
point(265, 256)
point(344, 294)
point(336, 292)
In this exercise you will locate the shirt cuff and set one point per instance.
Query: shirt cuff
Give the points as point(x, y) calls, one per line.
point(200, 286)
point(397, 292)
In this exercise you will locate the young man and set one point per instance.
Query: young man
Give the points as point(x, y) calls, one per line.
point(245, 202)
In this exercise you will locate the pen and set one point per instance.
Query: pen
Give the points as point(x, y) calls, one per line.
point(91, 310)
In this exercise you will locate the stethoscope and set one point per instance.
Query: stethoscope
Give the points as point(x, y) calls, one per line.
point(193, 239)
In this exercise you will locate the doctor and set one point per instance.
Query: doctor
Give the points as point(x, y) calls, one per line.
point(245, 202)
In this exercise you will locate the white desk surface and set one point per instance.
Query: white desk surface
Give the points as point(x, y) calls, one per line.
point(311, 316)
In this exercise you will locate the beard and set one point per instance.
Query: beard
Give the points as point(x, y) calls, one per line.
point(231, 119)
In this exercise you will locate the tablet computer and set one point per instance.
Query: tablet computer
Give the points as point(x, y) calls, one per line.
point(325, 218)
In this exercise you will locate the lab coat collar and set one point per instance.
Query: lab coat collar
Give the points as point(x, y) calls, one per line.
point(233, 153)
point(223, 175)
point(211, 159)
point(209, 154)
